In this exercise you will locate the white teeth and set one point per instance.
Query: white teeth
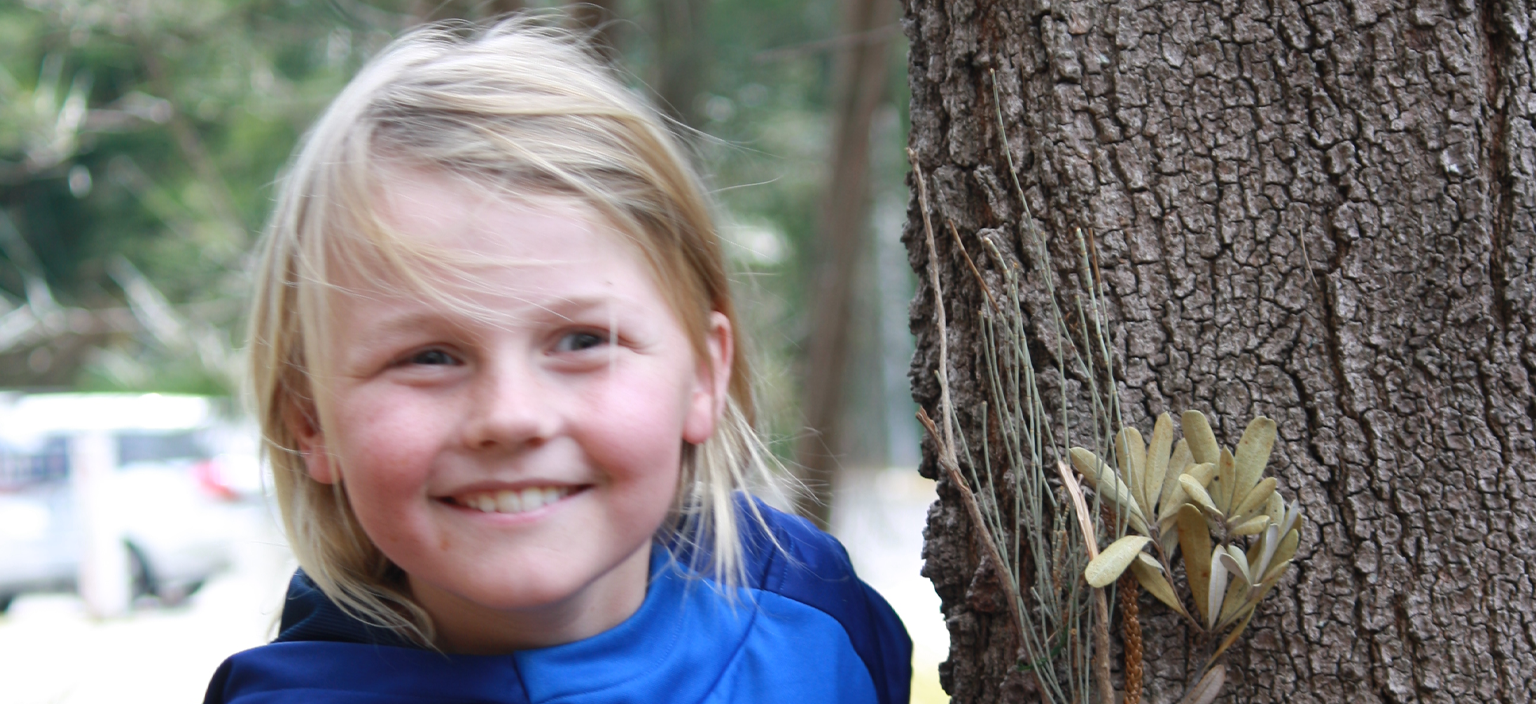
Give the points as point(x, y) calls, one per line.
point(529, 499)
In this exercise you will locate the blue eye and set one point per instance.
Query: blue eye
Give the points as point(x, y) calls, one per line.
point(578, 341)
point(432, 357)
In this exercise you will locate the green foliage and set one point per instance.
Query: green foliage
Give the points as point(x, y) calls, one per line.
point(150, 132)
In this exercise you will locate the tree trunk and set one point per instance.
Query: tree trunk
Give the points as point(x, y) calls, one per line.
point(599, 19)
point(682, 56)
point(1318, 212)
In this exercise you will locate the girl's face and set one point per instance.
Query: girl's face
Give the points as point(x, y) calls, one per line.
point(517, 468)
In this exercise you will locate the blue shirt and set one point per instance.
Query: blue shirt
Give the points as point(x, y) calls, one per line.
point(803, 629)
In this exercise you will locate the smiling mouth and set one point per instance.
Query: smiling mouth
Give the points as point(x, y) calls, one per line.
point(514, 500)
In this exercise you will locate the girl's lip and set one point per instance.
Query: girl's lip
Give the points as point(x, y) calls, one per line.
point(522, 498)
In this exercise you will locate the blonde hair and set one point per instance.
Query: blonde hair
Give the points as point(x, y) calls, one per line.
point(523, 109)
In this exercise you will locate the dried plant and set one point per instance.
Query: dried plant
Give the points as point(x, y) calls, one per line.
point(1205, 502)
point(1023, 524)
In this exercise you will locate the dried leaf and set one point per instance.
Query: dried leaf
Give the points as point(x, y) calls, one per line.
point(1218, 587)
point(1260, 554)
point(1201, 473)
point(1239, 564)
point(1236, 589)
point(1256, 550)
point(1202, 442)
point(1232, 637)
point(1139, 524)
point(1275, 507)
point(1152, 579)
point(1274, 573)
point(1195, 542)
point(1197, 495)
point(1178, 463)
point(1253, 453)
point(1112, 561)
point(1239, 611)
point(1250, 526)
point(1232, 606)
point(1226, 480)
point(1103, 479)
point(1209, 686)
point(1271, 547)
point(1258, 496)
point(1292, 519)
point(1080, 509)
point(1087, 464)
point(1170, 539)
point(1131, 453)
point(1157, 463)
point(1262, 589)
point(1287, 548)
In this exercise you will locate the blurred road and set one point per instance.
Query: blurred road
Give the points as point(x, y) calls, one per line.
point(51, 652)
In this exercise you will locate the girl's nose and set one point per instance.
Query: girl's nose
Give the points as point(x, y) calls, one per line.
point(508, 409)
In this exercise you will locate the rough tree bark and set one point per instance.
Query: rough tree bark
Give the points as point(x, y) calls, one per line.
point(1321, 212)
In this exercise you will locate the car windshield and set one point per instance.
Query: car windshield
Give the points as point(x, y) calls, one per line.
point(50, 462)
point(20, 467)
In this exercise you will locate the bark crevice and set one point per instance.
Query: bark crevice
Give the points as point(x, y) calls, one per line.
point(1496, 54)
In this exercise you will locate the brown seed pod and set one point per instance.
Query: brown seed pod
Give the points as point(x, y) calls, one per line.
point(1130, 622)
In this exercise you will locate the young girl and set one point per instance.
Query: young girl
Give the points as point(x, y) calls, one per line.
point(499, 377)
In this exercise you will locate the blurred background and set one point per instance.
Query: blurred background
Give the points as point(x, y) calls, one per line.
point(139, 144)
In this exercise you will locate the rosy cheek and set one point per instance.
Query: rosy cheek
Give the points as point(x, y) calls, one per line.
point(385, 460)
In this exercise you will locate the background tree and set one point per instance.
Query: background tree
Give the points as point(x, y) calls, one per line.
point(1320, 212)
point(858, 88)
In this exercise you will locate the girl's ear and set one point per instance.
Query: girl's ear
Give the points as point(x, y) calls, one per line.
point(712, 384)
point(301, 422)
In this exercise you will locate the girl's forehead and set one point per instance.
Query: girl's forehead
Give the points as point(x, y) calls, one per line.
point(431, 210)
point(445, 236)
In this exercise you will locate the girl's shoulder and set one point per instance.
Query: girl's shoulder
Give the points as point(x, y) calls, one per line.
point(810, 599)
point(789, 556)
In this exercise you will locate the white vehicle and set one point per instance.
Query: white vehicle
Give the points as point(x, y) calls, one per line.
point(169, 495)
